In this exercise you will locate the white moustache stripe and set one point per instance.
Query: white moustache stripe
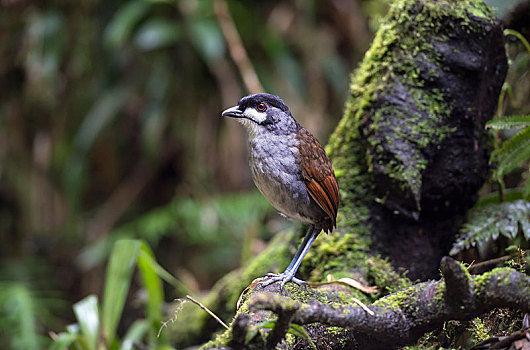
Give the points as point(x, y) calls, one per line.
point(258, 117)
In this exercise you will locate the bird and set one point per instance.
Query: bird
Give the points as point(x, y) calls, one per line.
point(291, 169)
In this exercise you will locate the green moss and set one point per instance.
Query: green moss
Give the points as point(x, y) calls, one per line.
point(331, 253)
point(392, 62)
point(502, 321)
point(439, 296)
point(219, 341)
point(384, 277)
point(339, 335)
point(402, 300)
point(290, 340)
point(304, 294)
point(478, 330)
point(481, 280)
point(335, 330)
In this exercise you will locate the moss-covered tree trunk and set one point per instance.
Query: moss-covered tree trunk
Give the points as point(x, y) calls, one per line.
point(415, 120)
point(410, 155)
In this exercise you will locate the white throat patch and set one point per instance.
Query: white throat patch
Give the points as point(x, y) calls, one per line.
point(258, 117)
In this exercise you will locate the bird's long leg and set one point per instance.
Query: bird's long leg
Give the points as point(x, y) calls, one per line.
point(309, 238)
point(301, 248)
point(288, 274)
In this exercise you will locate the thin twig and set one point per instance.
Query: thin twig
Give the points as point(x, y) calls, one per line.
point(207, 310)
point(174, 317)
point(345, 282)
point(363, 306)
point(484, 265)
point(236, 48)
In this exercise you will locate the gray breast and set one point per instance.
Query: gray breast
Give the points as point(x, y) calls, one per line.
point(276, 174)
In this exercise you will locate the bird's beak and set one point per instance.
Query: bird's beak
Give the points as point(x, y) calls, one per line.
point(234, 112)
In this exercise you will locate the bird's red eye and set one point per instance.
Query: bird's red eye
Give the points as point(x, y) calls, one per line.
point(261, 107)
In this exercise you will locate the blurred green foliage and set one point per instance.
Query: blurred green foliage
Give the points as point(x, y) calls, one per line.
point(96, 328)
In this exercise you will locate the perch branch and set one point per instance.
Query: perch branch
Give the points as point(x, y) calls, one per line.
point(403, 317)
point(207, 310)
point(282, 326)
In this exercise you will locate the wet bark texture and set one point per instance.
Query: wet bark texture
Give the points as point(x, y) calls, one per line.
point(417, 219)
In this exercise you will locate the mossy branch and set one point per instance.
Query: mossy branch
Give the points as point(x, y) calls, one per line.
point(402, 318)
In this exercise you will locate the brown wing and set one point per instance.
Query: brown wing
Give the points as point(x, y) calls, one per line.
point(318, 175)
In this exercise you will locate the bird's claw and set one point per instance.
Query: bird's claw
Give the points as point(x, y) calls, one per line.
point(283, 278)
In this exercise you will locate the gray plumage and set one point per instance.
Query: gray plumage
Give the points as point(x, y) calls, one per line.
point(290, 168)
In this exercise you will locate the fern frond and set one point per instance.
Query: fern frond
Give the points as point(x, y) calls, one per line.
point(509, 122)
point(513, 153)
point(491, 221)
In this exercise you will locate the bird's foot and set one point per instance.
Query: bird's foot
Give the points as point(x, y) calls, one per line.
point(283, 278)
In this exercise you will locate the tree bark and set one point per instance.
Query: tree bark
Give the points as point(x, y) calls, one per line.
point(420, 101)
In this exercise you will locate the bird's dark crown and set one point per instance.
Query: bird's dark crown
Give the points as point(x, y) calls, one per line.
point(269, 99)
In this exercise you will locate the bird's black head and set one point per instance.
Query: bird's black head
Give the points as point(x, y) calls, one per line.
point(260, 112)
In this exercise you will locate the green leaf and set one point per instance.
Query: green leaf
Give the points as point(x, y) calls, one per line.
point(492, 221)
point(100, 115)
point(299, 331)
point(294, 329)
point(513, 153)
point(123, 23)
point(18, 307)
point(157, 33)
point(267, 324)
point(119, 272)
point(509, 195)
point(87, 314)
point(152, 284)
point(73, 328)
point(519, 36)
point(509, 122)
point(96, 253)
point(63, 341)
point(134, 334)
point(149, 260)
point(46, 43)
point(252, 331)
point(207, 38)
